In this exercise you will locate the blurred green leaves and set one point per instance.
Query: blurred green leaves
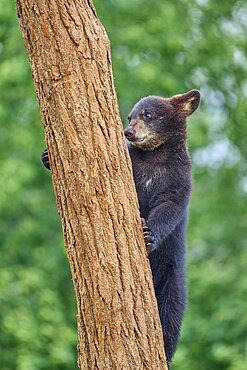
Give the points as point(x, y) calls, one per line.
point(163, 48)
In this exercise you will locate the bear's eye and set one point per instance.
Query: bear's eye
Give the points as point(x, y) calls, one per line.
point(147, 114)
point(129, 118)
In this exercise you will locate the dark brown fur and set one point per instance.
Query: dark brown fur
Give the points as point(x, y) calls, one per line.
point(162, 174)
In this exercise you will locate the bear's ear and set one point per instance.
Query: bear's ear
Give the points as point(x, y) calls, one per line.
point(186, 103)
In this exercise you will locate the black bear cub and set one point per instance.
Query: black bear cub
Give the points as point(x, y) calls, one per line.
point(163, 180)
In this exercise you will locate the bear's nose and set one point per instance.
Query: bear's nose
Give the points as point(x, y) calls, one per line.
point(129, 133)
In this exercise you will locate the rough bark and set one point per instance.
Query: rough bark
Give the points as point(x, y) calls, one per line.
point(118, 323)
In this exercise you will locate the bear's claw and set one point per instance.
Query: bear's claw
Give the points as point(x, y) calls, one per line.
point(45, 159)
point(148, 237)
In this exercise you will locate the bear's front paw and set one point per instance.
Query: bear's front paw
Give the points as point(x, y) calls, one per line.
point(148, 237)
point(45, 159)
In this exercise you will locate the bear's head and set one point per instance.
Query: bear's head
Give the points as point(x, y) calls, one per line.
point(154, 121)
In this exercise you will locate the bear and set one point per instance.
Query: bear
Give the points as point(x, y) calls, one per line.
point(157, 143)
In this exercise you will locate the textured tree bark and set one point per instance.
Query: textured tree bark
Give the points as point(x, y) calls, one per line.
point(118, 323)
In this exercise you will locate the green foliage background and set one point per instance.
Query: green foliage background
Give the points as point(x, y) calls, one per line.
point(159, 47)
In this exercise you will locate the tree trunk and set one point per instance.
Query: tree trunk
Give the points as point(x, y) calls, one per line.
point(118, 323)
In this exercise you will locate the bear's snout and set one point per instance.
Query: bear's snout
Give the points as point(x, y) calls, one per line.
point(129, 133)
